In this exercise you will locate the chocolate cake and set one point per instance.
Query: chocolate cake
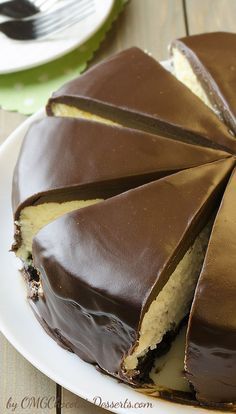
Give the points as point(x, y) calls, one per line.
point(114, 197)
point(211, 339)
point(206, 63)
point(116, 277)
point(81, 162)
point(132, 89)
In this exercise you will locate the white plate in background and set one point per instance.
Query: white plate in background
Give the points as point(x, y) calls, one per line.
point(19, 55)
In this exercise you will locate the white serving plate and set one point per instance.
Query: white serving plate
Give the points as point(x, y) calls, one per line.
point(19, 325)
point(19, 55)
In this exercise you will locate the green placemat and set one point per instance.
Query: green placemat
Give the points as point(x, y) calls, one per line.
point(28, 90)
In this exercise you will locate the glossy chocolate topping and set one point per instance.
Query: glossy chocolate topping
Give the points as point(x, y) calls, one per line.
point(211, 338)
point(135, 90)
point(66, 159)
point(102, 266)
point(213, 59)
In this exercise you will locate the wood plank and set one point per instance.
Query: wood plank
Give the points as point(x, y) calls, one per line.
point(208, 15)
point(149, 24)
point(22, 384)
point(72, 404)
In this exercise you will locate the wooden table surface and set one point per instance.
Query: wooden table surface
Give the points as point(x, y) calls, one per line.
point(149, 24)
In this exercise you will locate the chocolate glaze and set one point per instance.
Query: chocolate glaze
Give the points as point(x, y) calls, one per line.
point(211, 338)
point(213, 59)
point(66, 159)
point(135, 90)
point(102, 266)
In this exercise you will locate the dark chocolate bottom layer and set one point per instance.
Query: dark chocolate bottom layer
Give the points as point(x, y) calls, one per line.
point(146, 363)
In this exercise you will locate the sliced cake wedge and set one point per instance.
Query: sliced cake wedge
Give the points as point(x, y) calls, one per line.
point(210, 359)
point(132, 89)
point(116, 278)
point(206, 63)
point(66, 164)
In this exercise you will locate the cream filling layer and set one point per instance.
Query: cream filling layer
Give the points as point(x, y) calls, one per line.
point(172, 303)
point(64, 110)
point(34, 218)
point(185, 74)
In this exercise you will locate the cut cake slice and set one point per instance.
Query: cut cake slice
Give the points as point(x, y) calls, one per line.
point(67, 163)
point(116, 278)
point(132, 89)
point(211, 339)
point(206, 63)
